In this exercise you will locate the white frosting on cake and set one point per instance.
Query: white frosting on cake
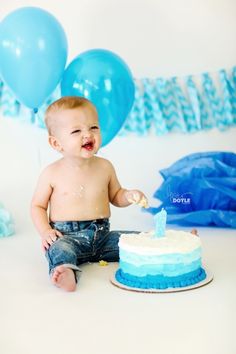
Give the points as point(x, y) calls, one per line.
point(147, 243)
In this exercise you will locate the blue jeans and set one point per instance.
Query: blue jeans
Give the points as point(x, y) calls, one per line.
point(83, 241)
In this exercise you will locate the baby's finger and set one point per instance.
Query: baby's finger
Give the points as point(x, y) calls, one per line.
point(132, 197)
point(58, 233)
point(50, 240)
point(45, 245)
point(136, 197)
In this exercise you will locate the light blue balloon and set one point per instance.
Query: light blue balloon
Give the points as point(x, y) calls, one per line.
point(106, 80)
point(33, 54)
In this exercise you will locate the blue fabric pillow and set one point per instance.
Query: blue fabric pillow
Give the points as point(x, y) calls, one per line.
point(199, 189)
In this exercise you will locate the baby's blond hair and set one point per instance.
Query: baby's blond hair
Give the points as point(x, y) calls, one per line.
point(67, 102)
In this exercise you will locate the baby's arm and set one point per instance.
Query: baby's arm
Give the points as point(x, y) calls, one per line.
point(39, 206)
point(121, 197)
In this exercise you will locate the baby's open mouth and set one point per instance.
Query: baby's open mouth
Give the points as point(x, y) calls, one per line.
point(88, 146)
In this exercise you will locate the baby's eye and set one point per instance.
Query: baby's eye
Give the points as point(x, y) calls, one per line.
point(94, 127)
point(76, 131)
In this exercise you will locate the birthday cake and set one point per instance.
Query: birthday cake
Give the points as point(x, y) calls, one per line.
point(149, 262)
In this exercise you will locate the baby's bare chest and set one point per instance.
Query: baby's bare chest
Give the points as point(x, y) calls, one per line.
point(87, 186)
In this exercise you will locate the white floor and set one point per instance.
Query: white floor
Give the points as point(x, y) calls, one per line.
point(38, 318)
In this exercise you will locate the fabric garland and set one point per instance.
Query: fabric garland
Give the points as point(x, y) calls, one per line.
point(162, 105)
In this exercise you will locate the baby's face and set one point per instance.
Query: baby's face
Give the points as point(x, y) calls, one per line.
point(77, 132)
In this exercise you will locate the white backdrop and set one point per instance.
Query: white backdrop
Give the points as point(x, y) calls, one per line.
point(155, 38)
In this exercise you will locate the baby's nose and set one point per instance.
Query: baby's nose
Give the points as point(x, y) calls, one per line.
point(87, 133)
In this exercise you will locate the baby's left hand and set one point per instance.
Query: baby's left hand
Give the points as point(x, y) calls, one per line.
point(137, 197)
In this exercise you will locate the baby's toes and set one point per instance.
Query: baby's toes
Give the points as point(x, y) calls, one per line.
point(55, 275)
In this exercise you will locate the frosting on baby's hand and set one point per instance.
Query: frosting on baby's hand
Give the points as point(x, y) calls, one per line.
point(134, 198)
point(143, 202)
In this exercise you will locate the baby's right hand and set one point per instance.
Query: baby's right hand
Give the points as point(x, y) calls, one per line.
point(49, 236)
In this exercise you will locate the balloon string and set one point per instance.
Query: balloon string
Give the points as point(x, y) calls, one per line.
point(39, 158)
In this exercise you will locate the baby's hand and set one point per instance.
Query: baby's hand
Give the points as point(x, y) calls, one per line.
point(49, 236)
point(136, 197)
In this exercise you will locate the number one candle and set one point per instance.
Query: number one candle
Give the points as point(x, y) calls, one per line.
point(160, 219)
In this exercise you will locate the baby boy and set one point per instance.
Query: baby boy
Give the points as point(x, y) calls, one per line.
point(71, 204)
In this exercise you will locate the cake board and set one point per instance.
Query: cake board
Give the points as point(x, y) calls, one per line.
point(207, 280)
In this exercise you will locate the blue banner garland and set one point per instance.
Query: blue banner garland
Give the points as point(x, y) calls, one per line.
point(161, 105)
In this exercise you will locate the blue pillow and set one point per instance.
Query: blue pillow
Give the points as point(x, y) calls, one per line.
point(199, 189)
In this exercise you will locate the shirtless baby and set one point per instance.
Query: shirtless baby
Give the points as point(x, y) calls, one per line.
point(71, 204)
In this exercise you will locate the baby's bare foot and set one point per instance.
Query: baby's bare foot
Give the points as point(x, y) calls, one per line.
point(64, 278)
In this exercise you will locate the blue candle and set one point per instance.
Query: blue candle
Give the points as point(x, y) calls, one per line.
point(160, 219)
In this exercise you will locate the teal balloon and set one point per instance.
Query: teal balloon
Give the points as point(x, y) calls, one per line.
point(33, 54)
point(105, 79)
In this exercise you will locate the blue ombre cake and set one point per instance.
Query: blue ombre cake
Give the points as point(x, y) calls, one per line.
point(148, 262)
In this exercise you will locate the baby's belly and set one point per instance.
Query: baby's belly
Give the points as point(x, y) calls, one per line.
point(68, 211)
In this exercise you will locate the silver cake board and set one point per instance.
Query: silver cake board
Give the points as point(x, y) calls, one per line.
point(207, 280)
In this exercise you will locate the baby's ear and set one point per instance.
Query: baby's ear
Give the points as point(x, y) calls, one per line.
point(54, 143)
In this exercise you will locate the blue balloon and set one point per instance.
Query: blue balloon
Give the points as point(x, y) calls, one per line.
point(33, 54)
point(105, 79)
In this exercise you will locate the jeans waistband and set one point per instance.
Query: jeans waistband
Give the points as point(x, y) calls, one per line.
point(74, 226)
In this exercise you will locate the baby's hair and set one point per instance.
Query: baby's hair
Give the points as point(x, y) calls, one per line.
point(66, 102)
